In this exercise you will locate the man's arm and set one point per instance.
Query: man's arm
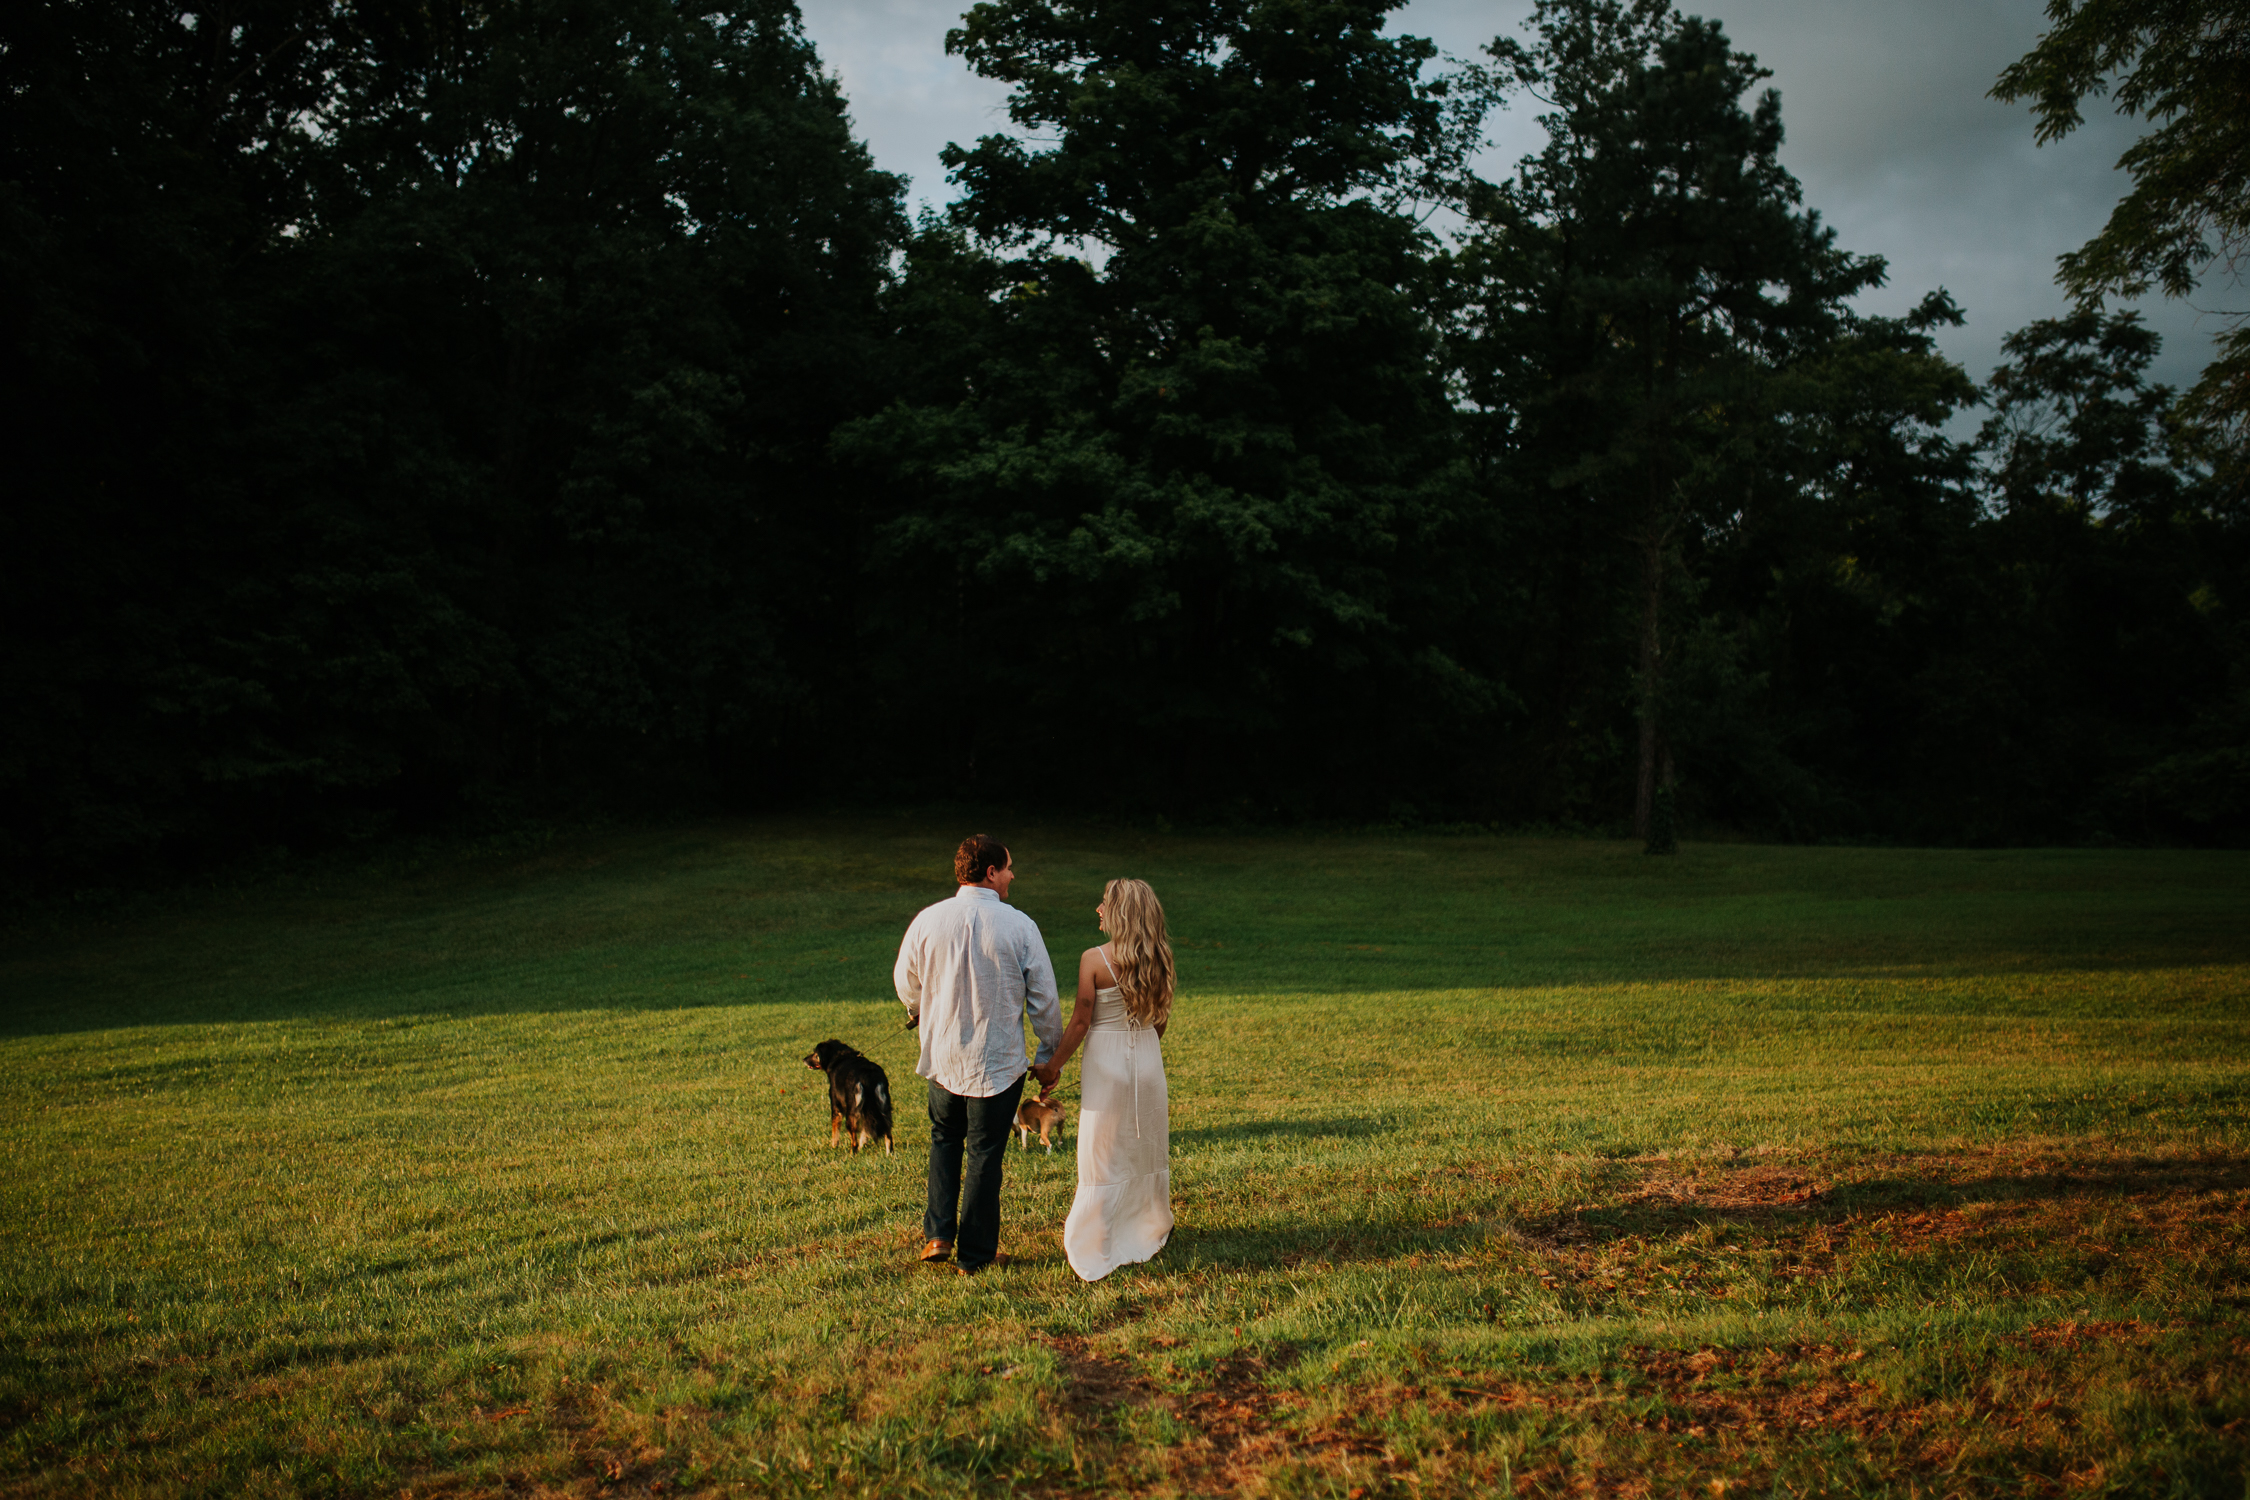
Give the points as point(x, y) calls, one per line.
point(906, 975)
point(1039, 999)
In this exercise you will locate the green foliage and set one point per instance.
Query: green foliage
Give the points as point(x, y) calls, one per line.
point(1648, 331)
point(2076, 426)
point(149, 157)
point(1842, 570)
point(418, 415)
point(1846, 624)
point(2179, 64)
point(637, 251)
point(1203, 476)
point(1909, 646)
point(419, 401)
point(2105, 632)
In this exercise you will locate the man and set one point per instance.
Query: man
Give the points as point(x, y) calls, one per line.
point(967, 972)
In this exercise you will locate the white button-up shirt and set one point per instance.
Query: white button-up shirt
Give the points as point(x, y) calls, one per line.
point(971, 968)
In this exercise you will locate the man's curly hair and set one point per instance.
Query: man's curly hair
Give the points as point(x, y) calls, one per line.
point(978, 856)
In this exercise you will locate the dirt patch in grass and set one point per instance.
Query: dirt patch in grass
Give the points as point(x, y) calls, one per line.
point(590, 1447)
point(1240, 1422)
point(1813, 1217)
point(1096, 1384)
point(1815, 1189)
point(1787, 1418)
point(1765, 1186)
point(1761, 1390)
point(2130, 1217)
point(1236, 1423)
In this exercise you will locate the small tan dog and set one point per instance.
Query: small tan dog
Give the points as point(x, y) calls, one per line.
point(1041, 1115)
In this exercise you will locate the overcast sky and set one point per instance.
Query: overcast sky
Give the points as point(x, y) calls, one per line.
point(1888, 127)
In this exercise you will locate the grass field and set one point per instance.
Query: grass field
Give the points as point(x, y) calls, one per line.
point(1498, 1163)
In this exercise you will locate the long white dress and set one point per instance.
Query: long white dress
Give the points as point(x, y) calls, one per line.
point(1123, 1211)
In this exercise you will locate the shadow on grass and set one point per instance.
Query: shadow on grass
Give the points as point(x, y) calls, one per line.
point(1907, 1209)
point(1242, 1132)
point(1324, 1245)
point(1778, 1199)
point(768, 916)
point(343, 965)
point(64, 994)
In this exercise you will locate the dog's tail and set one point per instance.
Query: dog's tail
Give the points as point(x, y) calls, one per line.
point(879, 1117)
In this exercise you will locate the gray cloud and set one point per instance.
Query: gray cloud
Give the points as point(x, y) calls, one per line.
point(1884, 100)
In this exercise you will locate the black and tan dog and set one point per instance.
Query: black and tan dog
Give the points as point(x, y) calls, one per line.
point(859, 1095)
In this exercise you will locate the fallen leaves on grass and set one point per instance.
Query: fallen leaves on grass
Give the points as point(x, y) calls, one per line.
point(2073, 1334)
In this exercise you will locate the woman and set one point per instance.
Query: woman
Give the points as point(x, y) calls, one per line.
point(1123, 1212)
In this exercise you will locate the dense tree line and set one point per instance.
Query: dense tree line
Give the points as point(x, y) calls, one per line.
point(432, 410)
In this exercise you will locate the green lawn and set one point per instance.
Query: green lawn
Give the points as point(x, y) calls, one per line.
point(1497, 1161)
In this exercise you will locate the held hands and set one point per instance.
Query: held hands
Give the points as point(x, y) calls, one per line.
point(1047, 1074)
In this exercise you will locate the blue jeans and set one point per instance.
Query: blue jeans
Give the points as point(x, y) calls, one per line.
point(979, 1127)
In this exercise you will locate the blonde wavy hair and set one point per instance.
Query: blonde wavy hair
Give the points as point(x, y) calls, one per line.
point(1140, 952)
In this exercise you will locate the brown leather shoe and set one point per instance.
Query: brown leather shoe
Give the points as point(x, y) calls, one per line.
point(997, 1260)
point(937, 1250)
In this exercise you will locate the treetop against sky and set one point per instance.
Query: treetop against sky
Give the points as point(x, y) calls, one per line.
point(1889, 129)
